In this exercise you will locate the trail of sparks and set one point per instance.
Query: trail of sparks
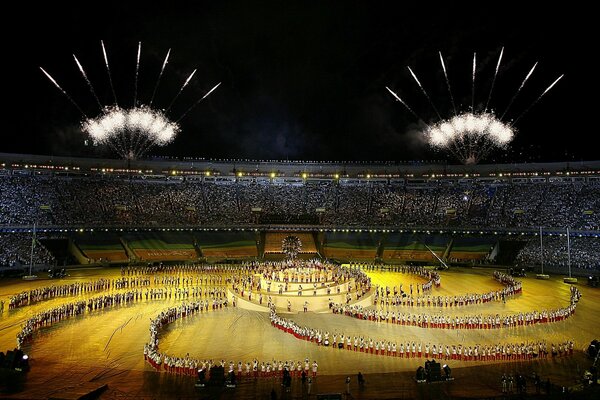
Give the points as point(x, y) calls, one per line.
point(447, 82)
point(160, 76)
point(487, 103)
point(424, 92)
point(108, 71)
point(473, 86)
point(87, 81)
point(198, 102)
point(519, 90)
point(181, 90)
point(538, 99)
point(63, 91)
point(137, 71)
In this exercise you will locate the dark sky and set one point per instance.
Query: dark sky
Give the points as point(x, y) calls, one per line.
point(303, 80)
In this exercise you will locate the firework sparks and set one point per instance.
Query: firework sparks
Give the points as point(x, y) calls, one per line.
point(125, 129)
point(108, 71)
point(476, 134)
point(63, 91)
point(424, 92)
point(87, 80)
point(160, 76)
point(473, 86)
point(487, 103)
point(447, 82)
point(137, 73)
point(130, 132)
point(512, 100)
point(189, 78)
point(539, 98)
point(198, 101)
point(402, 101)
point(470, 136)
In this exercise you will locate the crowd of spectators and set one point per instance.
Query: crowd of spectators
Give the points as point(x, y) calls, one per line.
point(585, 253)
point(100, 201)
point(15, 250)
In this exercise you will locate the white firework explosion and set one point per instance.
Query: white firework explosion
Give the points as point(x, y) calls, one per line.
point(130, 132)
point(471, 135)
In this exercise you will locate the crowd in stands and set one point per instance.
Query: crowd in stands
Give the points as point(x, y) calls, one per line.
point(15, 250)
point(92, 201)
point(96, 200)
point(585, 253)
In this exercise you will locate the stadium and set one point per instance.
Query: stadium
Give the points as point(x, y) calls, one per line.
point(396, 224)
point(175, 221)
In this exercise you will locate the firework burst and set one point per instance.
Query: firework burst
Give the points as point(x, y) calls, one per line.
point(130, 132)
point(471, 135)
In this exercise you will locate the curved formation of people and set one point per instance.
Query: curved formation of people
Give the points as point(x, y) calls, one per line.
point(187, 365)
point(461, 321)
point(501, 351)
point(28, 297)
point(512, 288)
point(315, 274)
point(203, 287)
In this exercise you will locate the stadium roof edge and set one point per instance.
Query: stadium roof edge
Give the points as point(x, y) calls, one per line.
point(292, 168)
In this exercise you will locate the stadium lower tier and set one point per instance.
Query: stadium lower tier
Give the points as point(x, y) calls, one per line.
point(102, 248)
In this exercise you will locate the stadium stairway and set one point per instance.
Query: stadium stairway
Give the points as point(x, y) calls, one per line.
point(77, 253)
point(130, 253)
point(198, 250)
point(448, 250)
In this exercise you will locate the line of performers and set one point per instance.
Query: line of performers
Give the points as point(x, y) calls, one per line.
point(170, 315)
point(49, 292)
point(511, 289)
point(250, 369)
point(508, 351)
point(67, 310)
point(460, 322)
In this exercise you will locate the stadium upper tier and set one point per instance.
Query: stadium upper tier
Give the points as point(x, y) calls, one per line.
point(87, 193)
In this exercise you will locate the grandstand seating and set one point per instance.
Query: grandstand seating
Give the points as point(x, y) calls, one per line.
point(151, 246)
point(104, 247)
point(411, 247)
point(59, 201)
point(212, 210)
point(350, 246)
point(227, 245)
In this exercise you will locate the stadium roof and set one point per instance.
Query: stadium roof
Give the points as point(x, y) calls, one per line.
point(302, 169)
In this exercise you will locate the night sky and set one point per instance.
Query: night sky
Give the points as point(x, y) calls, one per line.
point(303, 80)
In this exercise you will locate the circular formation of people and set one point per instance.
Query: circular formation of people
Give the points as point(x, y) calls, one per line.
point(285, 288)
